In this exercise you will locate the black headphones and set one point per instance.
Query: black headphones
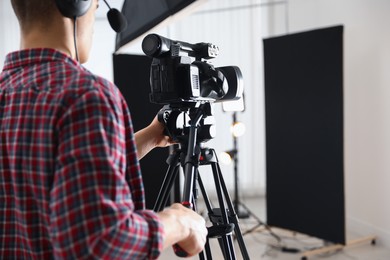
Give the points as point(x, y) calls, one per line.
point(73, 8)
point(76, 8)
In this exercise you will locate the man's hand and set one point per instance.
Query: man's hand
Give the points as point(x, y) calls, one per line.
point(184, 227)
point(161, 140)
point(150, 137)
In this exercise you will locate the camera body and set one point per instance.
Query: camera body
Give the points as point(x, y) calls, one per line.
point(180, 73)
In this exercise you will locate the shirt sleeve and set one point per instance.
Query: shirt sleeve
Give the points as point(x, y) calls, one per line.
point(92, 212)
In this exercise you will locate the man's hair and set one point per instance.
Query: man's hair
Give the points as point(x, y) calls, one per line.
point(33, 11)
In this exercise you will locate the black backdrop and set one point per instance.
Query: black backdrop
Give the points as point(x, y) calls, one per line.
point(131, 75)
point(304, 132)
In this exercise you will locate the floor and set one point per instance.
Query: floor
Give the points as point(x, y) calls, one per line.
point(261, 244)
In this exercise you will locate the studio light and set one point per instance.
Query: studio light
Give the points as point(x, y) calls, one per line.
point(227, 157)
point(238, 129)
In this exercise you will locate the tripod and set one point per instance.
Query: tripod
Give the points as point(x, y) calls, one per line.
point(223, 218)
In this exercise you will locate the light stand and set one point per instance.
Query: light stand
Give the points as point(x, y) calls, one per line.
point(241, 210)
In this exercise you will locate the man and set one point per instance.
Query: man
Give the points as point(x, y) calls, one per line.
point(70, 183)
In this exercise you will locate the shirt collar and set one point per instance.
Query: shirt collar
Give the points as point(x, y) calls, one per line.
point(36, 56)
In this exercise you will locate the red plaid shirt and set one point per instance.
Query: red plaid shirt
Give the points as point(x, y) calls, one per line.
point(70, 183)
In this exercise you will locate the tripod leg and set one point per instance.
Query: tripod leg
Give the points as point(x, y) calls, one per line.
point(220, 221)
point(168, 182)
point(228, 241)
point(233, 215)
point(211, 214)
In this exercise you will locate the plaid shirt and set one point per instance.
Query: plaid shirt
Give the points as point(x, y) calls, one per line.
point(70, 182)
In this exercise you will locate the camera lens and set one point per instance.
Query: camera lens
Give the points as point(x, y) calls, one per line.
point(151, 45)
point(235, 82)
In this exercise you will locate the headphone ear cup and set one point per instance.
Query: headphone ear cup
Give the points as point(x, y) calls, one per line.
point(73, 8)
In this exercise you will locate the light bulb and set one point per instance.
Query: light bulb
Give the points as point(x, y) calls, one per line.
point(225, 158)
point(238, 129)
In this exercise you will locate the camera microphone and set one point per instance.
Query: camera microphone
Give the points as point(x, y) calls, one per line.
point(116, 19)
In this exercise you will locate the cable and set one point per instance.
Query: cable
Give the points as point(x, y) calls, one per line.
point(74, 37)
point(109, 7)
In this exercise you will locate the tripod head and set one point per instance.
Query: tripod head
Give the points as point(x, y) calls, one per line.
point(179, 118)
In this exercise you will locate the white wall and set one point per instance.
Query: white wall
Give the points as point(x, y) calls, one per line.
point(367, 95)
point(9, 30)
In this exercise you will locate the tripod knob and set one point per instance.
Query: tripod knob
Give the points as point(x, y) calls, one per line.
point(207, 132)
point(220, 230)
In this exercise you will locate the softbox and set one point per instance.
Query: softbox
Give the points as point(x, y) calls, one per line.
point(145, 15)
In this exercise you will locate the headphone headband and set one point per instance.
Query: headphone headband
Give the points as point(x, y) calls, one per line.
point(73, 8)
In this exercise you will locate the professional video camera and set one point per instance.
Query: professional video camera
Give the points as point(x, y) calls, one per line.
point(180, 74)
point(181, 79)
